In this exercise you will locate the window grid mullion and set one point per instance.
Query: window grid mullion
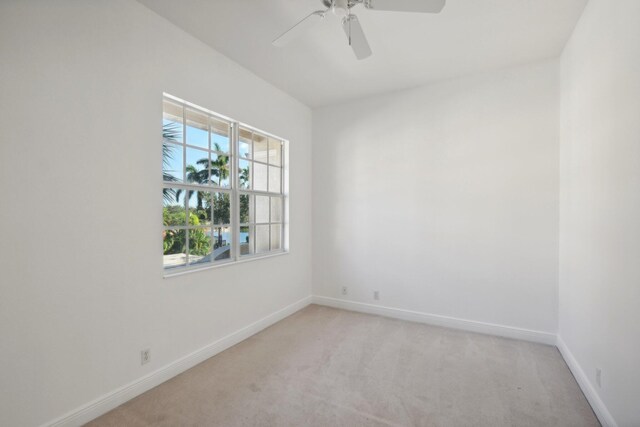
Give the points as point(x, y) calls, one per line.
point(253, 232)
point(268, 173)
point(269, 214)
point(209, 171)
point(233, 199)
point(184, 179)
point(282, 216)
point(213, 219)
point(193, 227)
point(212, 233)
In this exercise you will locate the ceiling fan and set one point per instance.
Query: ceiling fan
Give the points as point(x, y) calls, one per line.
point(350, 23)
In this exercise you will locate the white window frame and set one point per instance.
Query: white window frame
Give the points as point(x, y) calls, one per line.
point(234, 191)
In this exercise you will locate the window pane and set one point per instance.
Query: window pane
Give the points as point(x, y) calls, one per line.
point(259, 177)
point(276, 230)
point(262, 238)
point(197, 129)
point(276, 209)
point(221, 243)
point(219, 135)
point(222, 208)
point(173, 209)
point(244, 171)
point(171, 162)
point(274, 179)
point(199, 206)
point(275, 152)
point(260, 148)
point(199, 246)
point(244, 145)
point(171, 122)
point(246, 240)
point(174, 254)
point(197, 166)
point(220, 170)
point(246, 209)
point(262, 209)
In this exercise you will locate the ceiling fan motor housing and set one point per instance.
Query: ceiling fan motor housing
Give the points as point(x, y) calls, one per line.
point(340, 8)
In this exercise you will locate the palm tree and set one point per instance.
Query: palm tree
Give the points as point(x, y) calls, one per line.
point(203, 173)
point(220, 167)
point(244, 177)
point(199, 177)
point(170, 133)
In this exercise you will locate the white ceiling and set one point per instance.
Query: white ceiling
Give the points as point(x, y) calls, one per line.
point(409, 49)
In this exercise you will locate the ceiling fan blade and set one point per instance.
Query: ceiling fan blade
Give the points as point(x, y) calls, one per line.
point(307, 22)
point(424, 6)
point(356, 37)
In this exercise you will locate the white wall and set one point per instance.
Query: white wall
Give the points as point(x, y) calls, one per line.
point(82, 291)
point(600, 206)
point(443, 198)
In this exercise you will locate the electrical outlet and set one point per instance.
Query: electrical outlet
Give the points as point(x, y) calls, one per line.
point(145, 356)
point(344, 290)
point(376, 295)
point(599, 377)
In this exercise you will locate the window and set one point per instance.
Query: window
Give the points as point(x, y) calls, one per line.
point(223, 189)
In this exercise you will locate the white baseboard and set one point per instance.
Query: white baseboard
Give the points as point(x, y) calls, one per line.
point(601, 411)
point(111, 400)
point(438, 320)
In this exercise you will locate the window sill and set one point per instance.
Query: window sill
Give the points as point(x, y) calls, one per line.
point(245, 259)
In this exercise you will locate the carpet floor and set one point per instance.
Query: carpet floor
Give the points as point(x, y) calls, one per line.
point(328, 367)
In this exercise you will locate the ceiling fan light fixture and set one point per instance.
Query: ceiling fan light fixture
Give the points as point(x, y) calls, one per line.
point(340, 8)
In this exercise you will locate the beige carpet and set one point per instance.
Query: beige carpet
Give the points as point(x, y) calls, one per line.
point(328, 367)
